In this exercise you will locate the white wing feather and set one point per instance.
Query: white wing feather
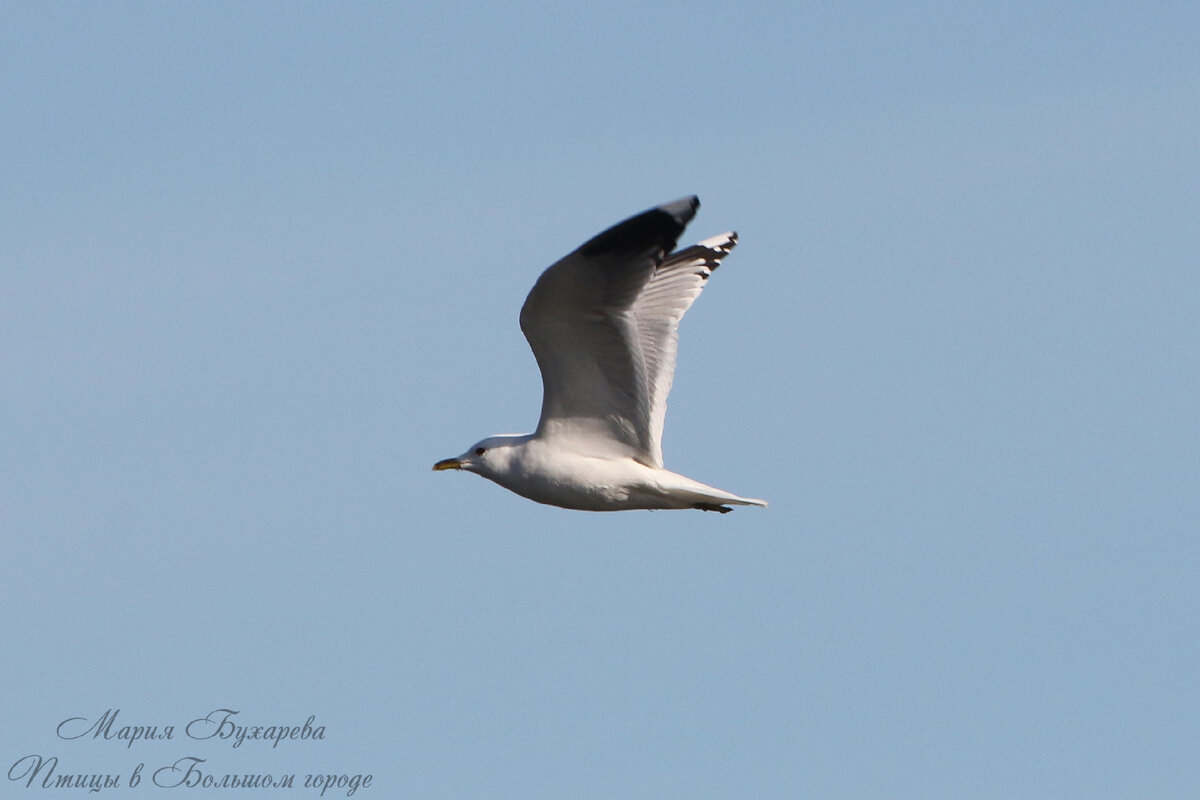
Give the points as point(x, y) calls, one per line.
point(667, 296)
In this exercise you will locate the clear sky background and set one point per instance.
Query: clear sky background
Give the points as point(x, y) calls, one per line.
point(260, 267)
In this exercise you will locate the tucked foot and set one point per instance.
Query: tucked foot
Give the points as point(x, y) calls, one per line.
point(713, 507)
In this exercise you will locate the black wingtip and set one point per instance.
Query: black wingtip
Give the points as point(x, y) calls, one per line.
point(657, 228)
point(682, 209)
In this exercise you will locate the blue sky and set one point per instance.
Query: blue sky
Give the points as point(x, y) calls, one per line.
point(260, 267)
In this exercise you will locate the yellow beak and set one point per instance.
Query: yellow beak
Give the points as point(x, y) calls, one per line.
point(448, 463)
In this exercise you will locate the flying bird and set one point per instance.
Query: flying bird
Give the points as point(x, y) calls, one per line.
point(603, 325)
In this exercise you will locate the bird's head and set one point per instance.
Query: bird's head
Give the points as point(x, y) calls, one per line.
point(488, 457)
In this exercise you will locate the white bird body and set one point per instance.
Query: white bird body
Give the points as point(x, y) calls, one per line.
point(541, 471)
point(603, 325)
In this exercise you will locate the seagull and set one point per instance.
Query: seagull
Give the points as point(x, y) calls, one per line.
point(603, 325)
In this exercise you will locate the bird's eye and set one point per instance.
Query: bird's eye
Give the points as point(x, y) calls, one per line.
point(480, 451)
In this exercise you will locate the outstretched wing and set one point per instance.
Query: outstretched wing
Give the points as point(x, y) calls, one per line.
point(669, 293)
point(602, 325)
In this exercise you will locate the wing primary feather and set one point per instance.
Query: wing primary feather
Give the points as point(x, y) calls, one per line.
point(658, 228)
